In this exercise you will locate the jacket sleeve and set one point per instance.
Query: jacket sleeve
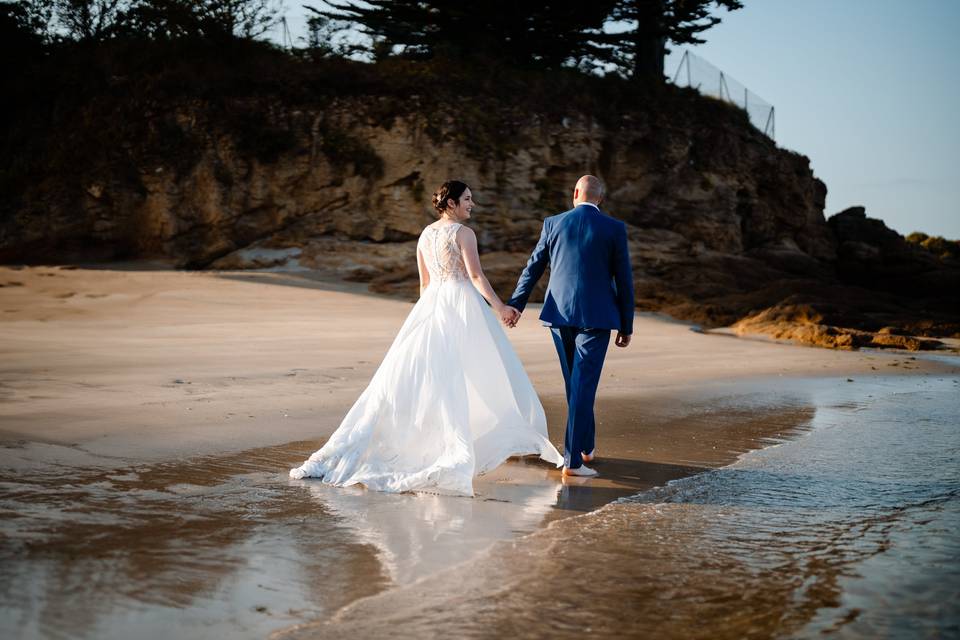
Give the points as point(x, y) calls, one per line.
point(536, 265)
point(623, 276)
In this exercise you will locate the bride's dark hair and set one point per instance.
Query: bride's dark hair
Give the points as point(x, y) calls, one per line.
point(449, 190)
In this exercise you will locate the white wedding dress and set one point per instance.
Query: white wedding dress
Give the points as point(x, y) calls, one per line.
point(450, 400)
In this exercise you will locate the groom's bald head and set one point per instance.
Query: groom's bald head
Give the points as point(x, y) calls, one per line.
point(589, 189)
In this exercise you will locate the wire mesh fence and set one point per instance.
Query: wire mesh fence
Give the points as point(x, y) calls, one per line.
point(695, 72)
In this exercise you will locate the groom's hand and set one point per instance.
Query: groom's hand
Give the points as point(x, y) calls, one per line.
point(623, 339)
point(511, 316)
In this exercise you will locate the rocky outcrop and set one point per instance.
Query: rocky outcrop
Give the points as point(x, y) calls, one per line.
point(826, 326)
point(875, 257)
point(724, 226)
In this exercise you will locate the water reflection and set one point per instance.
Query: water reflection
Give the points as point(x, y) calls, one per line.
point(204, 547)
point(228, 545)
point(416, 535)
point(850, 530)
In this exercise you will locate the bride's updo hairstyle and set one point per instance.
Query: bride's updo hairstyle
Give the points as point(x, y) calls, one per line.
point(449, 190)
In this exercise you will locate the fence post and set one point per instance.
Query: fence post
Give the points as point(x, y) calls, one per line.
point(680, 68)
point(724, 92)
point(285, 35)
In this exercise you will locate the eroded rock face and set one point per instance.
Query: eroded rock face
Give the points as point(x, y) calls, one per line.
point(719, 184)
point(722, 223)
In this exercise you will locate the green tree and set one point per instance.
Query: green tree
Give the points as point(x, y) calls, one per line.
point(328, 37)
point(640, 49)
point(243, 18)
point(89, 20)
point(627, 35)
point(99, 20)
point(546, 34)
point(202, 19)
point(24, 26)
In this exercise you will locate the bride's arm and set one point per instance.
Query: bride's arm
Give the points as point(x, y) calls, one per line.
point(467, 240)
point(424, 272)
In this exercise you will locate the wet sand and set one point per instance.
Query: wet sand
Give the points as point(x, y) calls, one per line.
point(845, 531)
point(148, 417)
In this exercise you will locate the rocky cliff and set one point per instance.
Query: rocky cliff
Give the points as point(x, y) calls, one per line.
point(724, 226)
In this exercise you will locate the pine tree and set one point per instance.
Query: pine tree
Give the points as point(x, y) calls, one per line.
point(640, 50)
point(546, 34)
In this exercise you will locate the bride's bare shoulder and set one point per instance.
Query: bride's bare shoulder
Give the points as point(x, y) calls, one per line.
point(465, 233)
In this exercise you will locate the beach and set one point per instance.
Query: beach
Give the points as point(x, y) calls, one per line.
point(148, 418)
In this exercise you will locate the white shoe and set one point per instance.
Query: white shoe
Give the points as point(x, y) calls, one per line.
point(588, 457)
point(583, 471)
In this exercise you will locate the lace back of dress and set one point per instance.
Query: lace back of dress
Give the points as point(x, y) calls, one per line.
point(442, 254)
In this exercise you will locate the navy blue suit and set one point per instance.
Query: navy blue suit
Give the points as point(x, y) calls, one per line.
point(590, 292)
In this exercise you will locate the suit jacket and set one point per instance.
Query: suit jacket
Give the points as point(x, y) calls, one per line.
point(591, 283)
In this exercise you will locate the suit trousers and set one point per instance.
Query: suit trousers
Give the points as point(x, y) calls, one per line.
point(581, 353)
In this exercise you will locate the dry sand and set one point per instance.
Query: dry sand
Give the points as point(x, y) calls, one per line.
point(159, 364)
point(133, 366)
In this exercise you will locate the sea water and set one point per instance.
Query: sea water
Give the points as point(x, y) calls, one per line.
point(850, 530)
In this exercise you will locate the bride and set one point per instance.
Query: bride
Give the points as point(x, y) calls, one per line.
point(450, 399)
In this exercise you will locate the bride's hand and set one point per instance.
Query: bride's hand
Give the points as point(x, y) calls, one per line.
point(509, 316)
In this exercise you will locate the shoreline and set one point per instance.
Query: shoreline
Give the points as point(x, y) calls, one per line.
point(192, 392)
point(170, 354)
point(673, 524)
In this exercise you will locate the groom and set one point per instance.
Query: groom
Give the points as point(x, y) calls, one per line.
point(590, 292)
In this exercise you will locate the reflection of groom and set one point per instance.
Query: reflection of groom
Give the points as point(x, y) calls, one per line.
point(590, 292)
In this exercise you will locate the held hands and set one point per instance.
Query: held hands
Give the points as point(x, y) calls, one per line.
point(623, 339)
point(509, 316)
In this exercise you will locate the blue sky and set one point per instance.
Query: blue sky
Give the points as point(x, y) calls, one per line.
point(869, 90)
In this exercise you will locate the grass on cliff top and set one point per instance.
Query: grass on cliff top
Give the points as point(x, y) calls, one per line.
point(245, 68)
point(111, 107)
point(937, 245)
